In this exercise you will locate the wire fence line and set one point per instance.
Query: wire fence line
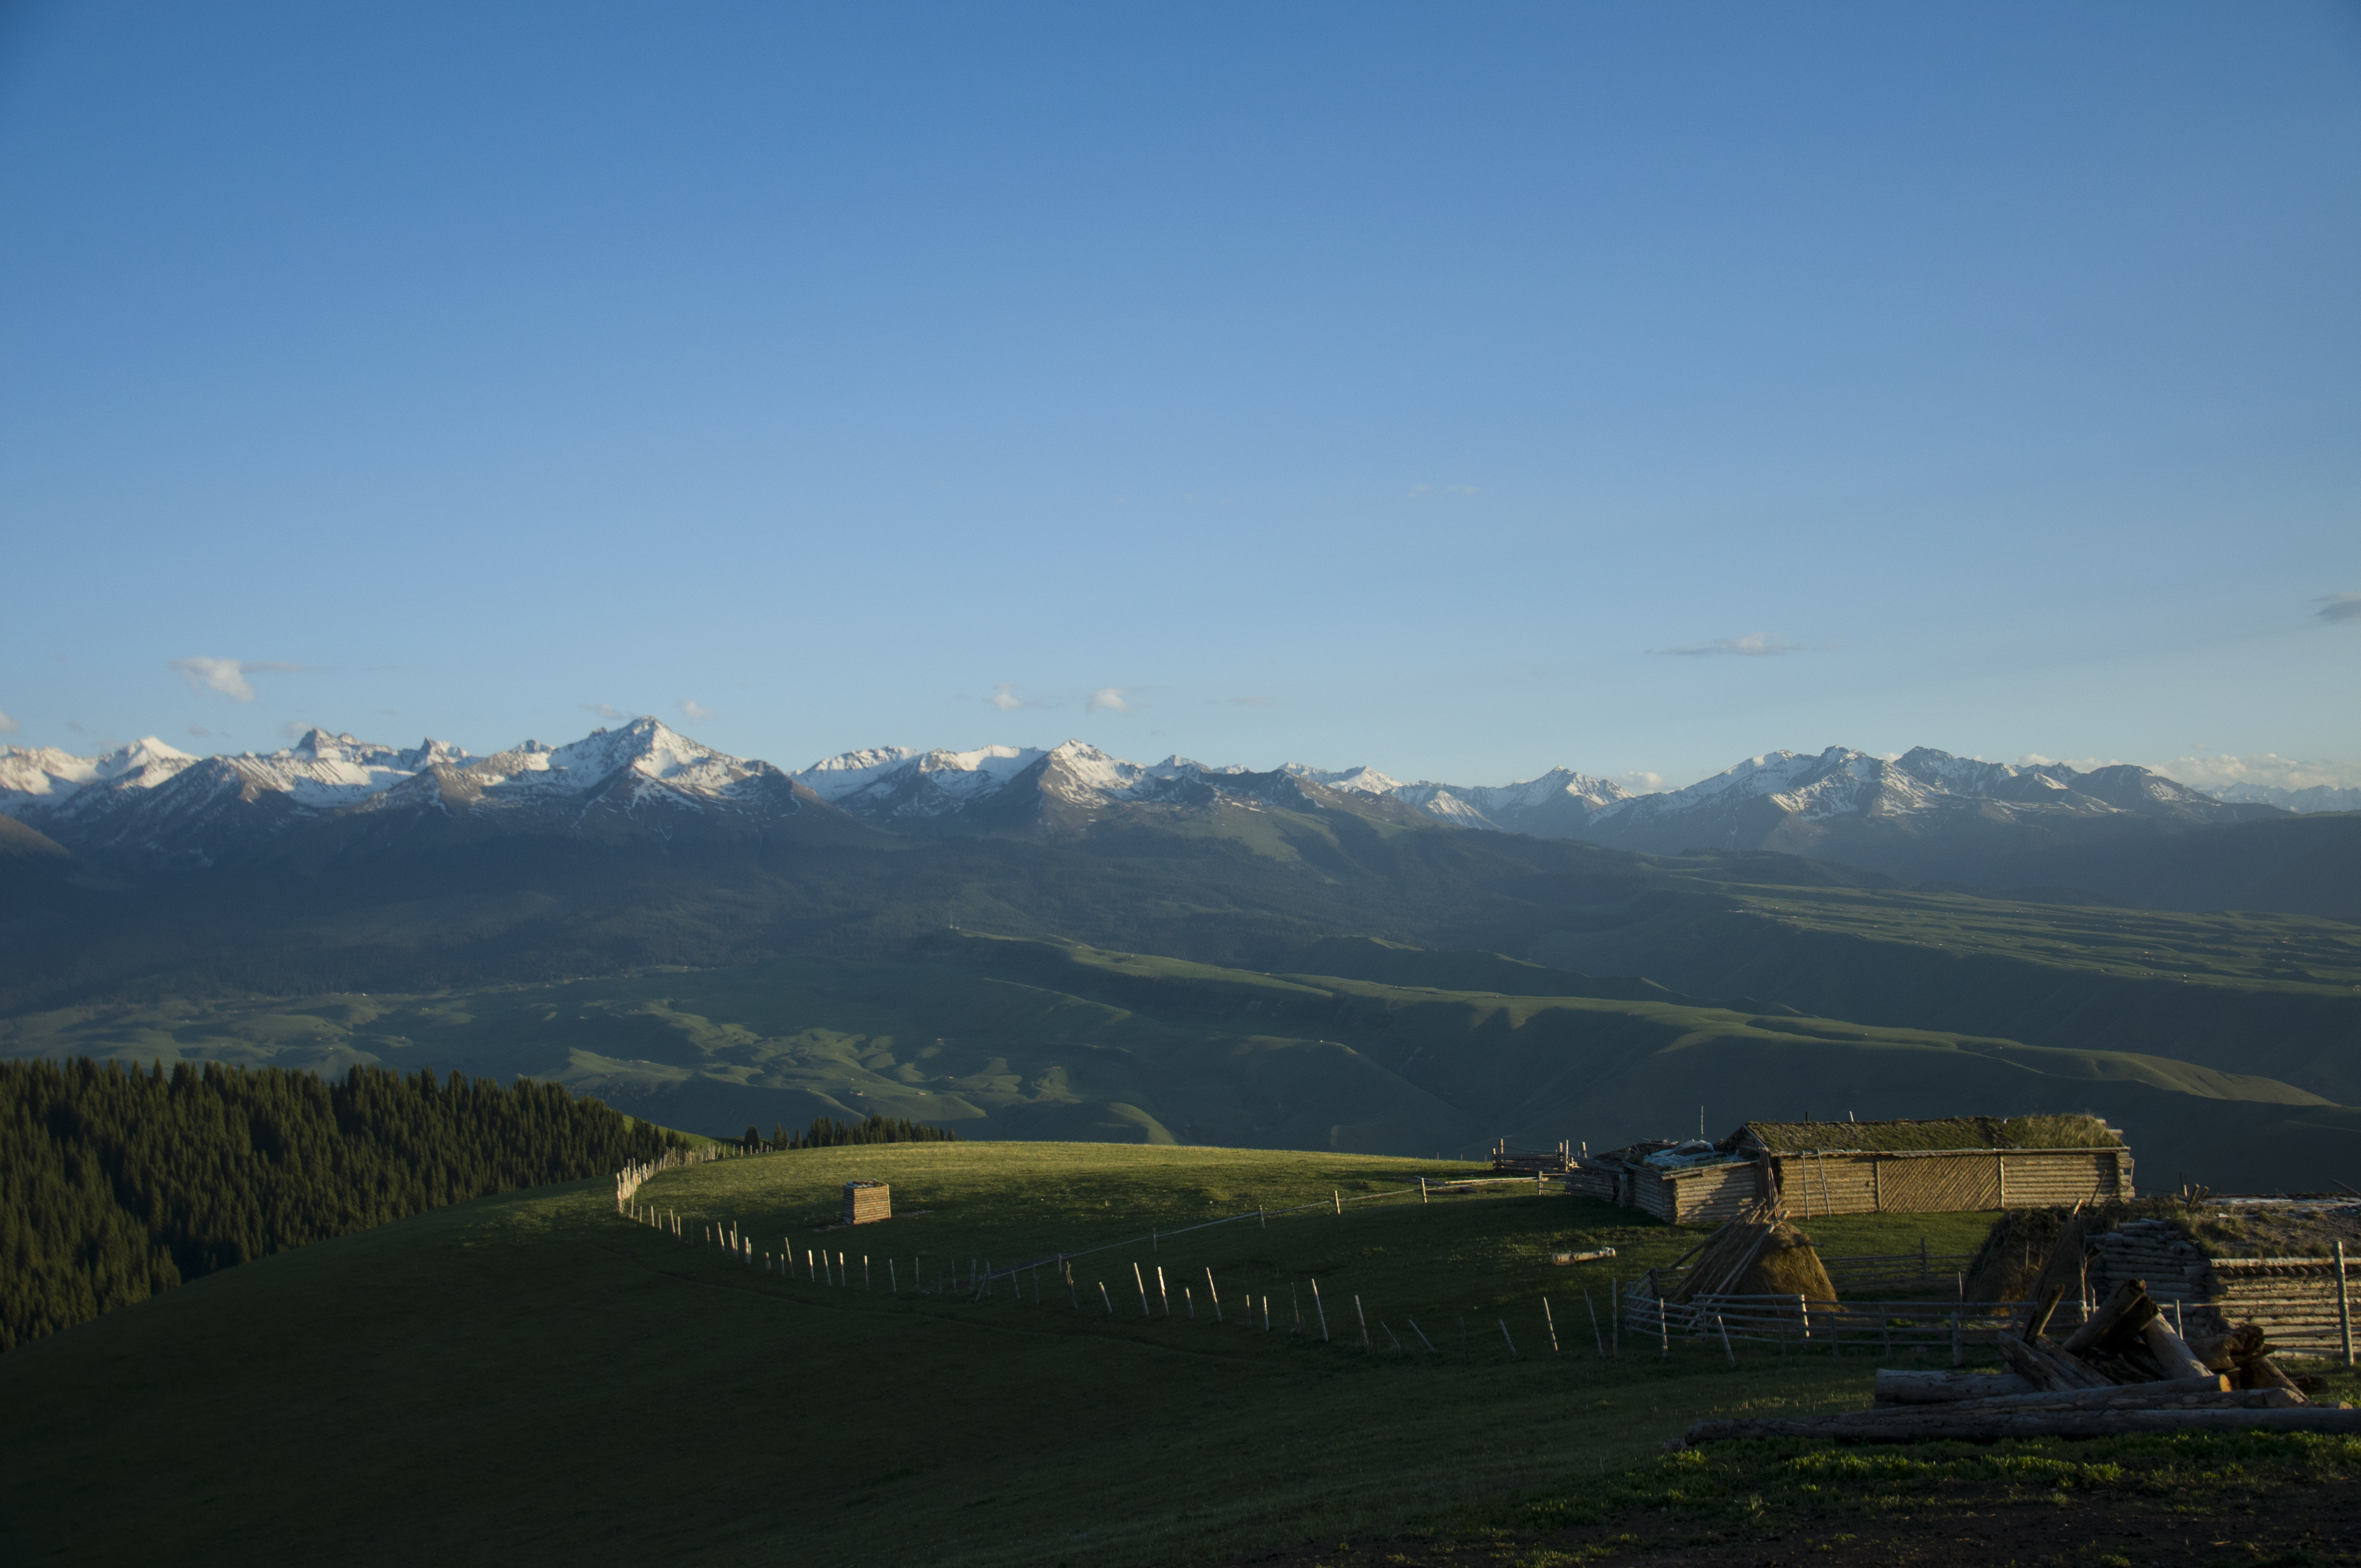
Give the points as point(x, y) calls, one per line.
point(1335, 1202)
point(1791, 1322)
point(1175, 1298)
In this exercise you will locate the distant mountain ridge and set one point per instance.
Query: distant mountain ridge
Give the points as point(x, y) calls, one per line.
point(1925, 813)
point(2306, 799)
point(150, 806)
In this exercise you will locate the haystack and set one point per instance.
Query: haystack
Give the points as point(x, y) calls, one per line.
point(1788, 1264)
point(1758, 1253)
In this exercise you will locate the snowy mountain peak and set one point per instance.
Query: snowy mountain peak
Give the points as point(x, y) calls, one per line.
point(146, 752)
point(34, 778)
point(1362, 780)
point(150, 800)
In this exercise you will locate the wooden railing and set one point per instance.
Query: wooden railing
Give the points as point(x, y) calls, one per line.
point(1899, 1271)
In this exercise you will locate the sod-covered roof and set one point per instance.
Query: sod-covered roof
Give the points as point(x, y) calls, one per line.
point(1944, 1133)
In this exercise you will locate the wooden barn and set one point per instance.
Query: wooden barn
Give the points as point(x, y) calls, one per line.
point(1950, 1165)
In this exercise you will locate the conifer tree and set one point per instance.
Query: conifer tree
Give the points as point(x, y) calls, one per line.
point(117, 1185)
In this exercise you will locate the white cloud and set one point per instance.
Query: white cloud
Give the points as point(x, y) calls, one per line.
point(605, 710)
point(1004, 697)
point(1753, 645)
point(1106, 699)
point(200, 731)
point(692, 709)
point(227, 676)
point(1640, 783)
point(2215, 772)
point(9, 726)
point(2339, 606)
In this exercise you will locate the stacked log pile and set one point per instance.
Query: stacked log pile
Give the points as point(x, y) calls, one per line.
point(2123, 1371)
point(2156, 1251)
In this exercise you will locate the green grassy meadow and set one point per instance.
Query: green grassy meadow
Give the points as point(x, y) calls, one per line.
point(533, 1376)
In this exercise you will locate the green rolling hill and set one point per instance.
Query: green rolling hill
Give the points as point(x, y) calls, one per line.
point(2278, 995)
point(531, 1377)
point(1012, 1038)
point(1313, 972)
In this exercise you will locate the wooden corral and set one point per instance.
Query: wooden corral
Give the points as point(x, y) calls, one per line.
point(1531, 1162)
point(866, 1201)
point(1948, 1166)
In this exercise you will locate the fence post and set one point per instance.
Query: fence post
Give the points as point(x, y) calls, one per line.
point(1958, 1346)
point(2344, 1305)
point(1504, 1334)
point(1364, 1318)
point(1663, 1330)
point(1215, 1296)
point(1549, 1323)
point(1725, 1341)
point(1321, 1310)
point(1142, 1282)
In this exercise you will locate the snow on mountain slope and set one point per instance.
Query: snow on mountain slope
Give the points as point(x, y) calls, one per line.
point(895, 784)
point(886, 783)
point(149, 801)
point(1353, 781)
point(1895, 812)
point(150, 805)
point(833, 777)
point(644, 758)
point(45, 776)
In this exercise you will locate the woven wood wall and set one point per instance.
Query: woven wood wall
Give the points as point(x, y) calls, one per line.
point(1950, 1185)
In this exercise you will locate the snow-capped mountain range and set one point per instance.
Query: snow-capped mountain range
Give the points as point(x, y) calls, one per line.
point(149, 804)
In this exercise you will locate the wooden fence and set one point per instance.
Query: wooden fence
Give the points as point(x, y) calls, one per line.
point(2304, 1304)
point(1933, 1271)
point(1799, 1323)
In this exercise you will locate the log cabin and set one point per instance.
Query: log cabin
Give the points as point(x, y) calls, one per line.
point(1945, 1165)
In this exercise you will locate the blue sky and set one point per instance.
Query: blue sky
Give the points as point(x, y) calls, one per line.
point(1463, 390)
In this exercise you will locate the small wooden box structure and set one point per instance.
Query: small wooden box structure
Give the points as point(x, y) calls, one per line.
point(866, 1201)
point(1949, 1165)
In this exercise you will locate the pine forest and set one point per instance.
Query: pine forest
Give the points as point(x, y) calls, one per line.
point(117, 1185)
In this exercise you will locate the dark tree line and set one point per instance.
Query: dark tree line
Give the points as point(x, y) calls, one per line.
point(116, 1185)
point(827, 1133)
